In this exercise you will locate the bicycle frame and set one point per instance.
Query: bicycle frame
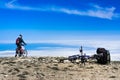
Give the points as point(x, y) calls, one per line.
point(22, 52)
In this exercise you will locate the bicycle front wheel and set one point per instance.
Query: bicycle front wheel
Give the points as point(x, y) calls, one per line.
point(25, 53)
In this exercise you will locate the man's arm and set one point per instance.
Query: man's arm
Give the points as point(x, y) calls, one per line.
point(23, 41)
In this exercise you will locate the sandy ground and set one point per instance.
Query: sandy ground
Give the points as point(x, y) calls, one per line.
point(49, 68)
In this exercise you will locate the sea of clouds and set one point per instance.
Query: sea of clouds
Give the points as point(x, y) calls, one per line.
point(91, 46)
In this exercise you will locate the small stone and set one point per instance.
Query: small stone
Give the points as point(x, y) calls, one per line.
point(21, 75)
point(55, 68)
point(25, 73)
point(115, 68)
point(55, 64)
point(16, 69)
point(112, 77)
point(91, 67)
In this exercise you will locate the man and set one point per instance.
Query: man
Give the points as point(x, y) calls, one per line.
point(19, 43)
point(82, 56)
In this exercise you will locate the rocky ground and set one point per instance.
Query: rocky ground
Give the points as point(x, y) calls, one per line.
point(49, 68)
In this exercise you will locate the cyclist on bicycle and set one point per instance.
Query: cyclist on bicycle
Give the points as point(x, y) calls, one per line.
point(19, 43)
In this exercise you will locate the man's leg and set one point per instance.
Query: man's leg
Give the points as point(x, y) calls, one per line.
point(17, 51)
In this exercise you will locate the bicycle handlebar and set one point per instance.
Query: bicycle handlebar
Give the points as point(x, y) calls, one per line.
point(23, 44)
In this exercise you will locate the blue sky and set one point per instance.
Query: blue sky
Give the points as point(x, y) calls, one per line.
point(59, 19)
point(90, 23)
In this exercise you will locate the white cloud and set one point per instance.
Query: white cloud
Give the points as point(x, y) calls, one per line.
point(13, 5)
point(57, 52)
point(112, 45)
point(100, 12)
point(96, 11)
point(10, 4)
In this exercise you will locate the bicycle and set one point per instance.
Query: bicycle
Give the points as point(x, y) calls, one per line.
point(21, 52)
